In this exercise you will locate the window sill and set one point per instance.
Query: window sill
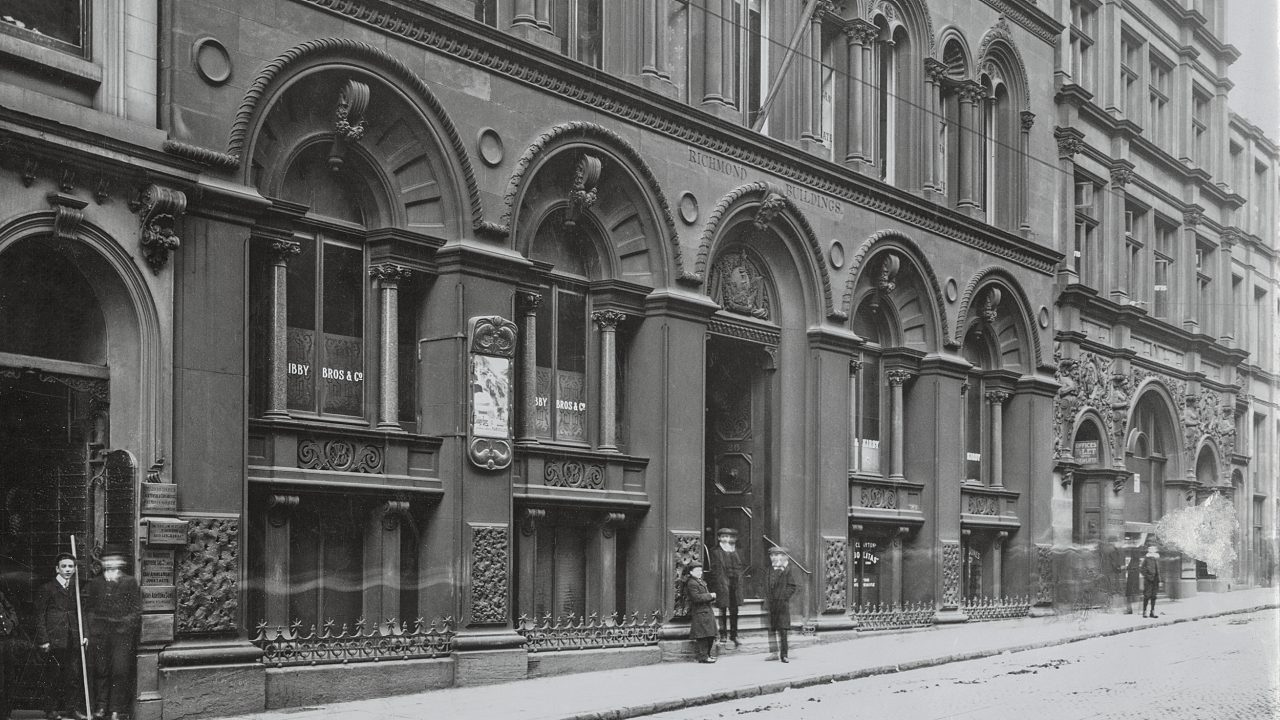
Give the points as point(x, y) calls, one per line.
point(69, 67)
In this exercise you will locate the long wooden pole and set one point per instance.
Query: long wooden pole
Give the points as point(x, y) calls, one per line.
point(84, 665)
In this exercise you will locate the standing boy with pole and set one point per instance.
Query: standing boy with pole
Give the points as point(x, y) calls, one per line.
point(58, 634)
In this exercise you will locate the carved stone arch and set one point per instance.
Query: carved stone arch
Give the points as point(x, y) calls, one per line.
point(1174, 408)
point(910, 251)
point(913, 14)
point(607, 144)
point(770, 201)
point(1091, 415)
point(141, 419)
point(344, 54)
point(997, 47)
point(1025, 323)
point(1221, 469)
point(960, 68)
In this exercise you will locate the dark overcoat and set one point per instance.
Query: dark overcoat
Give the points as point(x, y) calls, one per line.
point(56, 622)
point(778, 591)
point(702, 619)
point(115, 607)
point(1151, 577)
point(725, 579)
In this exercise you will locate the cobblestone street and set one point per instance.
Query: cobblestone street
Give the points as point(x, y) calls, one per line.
point(1212, 669)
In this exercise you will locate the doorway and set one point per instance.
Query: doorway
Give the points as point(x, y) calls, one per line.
point(738, 458)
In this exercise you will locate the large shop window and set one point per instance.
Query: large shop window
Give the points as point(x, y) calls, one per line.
point(869, 400)
point(977, 430)
point(59, 24)
point(326, 367)
point(560, 398)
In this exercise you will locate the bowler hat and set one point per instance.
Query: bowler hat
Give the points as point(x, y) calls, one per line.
point(693, 564)
point(727, 531)
point(777, 550)
point(114, 551)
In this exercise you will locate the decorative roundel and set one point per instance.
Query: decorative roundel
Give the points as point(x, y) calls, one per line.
point(1043, 317)
point(688, 208)
point(836, 254)
point(490, 145)
point(953, 290)
point(212, 61)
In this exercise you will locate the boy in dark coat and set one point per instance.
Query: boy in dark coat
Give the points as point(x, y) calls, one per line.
point(780, 587)
point(1150, 580)
point(702, 619)
point(58, 636)
point(115, 609)
point(725, 579)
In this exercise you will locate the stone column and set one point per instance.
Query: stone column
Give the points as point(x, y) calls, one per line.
point(1070, 140)
point(653, 29)
point(896, 379)
point(276, 580)
point(935, 72)
point(542, 13)
point(382, 561)
point(528, 303)
point(870, 81)
point(857, 33)
point(607, 321)
point(602, 565)
point(278, 352)
point(895, 565)
point(1187, 289)
point(997, 564)
point(523, 14)
point(996, 399)
point(811, 83)
point(1227, 330)
point(971, 128)
point(388, 276)
point(1028, 120)
point(527, 560)
point(717, 58)
point(1115, 261)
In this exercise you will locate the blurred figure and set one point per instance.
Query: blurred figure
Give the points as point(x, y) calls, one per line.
point(778, 591)
point(115, 611)
point(1150, 580)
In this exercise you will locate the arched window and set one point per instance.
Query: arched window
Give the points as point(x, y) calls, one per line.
point(894, 84)
point(1146, 458)
point(1003, 166)
point(951, 123)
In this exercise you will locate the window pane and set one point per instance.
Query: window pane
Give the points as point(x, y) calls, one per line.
point(571, 344)
point(545, 351)
point(973, 429)
point(589, 31)
point(343, 371)
point(300, 354)
point(869, 415)
point(52, 21)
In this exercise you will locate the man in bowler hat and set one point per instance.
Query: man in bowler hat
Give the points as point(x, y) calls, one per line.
point(115, 611)
point(781, 585)
point(1150, 580)
point(702, 619)
point(58, 637)
point(726, 581)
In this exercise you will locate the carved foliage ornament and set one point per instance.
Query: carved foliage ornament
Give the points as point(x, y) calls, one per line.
point(349, 120)
point(494, 336)
point(950, 574)
point(772, 204)
point(586, 177)
point(160, 208)
point(488, 575)
point(885, 280)
point(835, 557)
point(209, 576)
point(875, 497)
point(688, 547)
point(573, 474)
point(340, 456)
point(738, 286)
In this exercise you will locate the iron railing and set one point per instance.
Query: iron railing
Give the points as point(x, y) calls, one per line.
point(988, 608)
point(390, 640)
point(893, 617)
point(577, 632)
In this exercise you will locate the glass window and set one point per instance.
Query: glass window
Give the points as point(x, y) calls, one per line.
point(325, 352)
point(751, 51)
point(867, 392)
point(579, 24)
point(1084, 27)
point(1158, 127)
point(1131, 64)
point(60, 24)
point(1162, 270)
point(560, 399)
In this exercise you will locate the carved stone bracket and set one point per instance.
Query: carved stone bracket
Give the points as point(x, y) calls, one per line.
point(393, 511)
point(161, 208)
point(1028, 119)
point(1068, 469)
point(280, 507)
point(772, 204)
point(349, 120)
point(529, 520)
point(68, 213)
point(885, 280)
point(586, 178)
point(610, 522)
point(688, 547)
point(1121, 171)
point(1119, 481)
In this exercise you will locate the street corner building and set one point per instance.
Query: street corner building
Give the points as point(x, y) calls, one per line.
point(413, 344)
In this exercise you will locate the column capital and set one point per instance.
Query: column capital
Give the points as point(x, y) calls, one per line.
point(388, 274)
point(1121, 171)
point(608, 319)
point(282, 250)
point(935, 70)
point(1192, 215)
point(898, 377)
point(971, 91)
point(1070, 141)
point(855, 366)
point(1028, 119)
point(528, 301)
point(860, 32)
point(998, 397)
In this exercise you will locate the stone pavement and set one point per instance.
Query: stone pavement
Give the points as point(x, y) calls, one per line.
point(634, 692)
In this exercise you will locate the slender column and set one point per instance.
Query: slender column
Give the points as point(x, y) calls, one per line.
point(1028, 119)
point(527, 560)
point(896, 379)
point(997, 398)
point(1188, 288)
point(935, 72)
point(529, 303)
point(870, 81)
point(1070, 141)
point(811, 80)
point(382, 560)
point(895, 566)
point(728, 59)
point(971, 97)
point(607, 321)
point(388, 277)
point(653, 31)
point(542, 13)
point(524, 14)
point(1116, 262)
point(602, 566)
point(997, 564)
point(278, 376)
point(276, 545)
point(1227, 331)
point(856, 35)
point(713, 90)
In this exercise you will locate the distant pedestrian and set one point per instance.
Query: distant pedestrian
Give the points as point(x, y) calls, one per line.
point(1150, 580)
point(781, 585)
point(115, 609)
point(726, 579)
point(58, 637)
point(1132, 582)
point(702, 619)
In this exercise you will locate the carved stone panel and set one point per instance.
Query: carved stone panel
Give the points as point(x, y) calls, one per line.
point(950, 574)
point(489, 581)
point(835, 556)
point(570, 473)
point(340, 455)
point(209, 577)
point(738, 286)
point(688, 547)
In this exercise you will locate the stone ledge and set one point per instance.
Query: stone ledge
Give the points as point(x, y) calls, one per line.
point(322, 684)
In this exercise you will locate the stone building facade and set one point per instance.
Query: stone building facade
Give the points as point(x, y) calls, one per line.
point(387, 329)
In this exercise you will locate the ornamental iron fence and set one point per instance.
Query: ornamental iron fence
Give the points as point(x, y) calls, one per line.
point(390, 640)
point(988, 608)
point(893, 617)
point(578, 632)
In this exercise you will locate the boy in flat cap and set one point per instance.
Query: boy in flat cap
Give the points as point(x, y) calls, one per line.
point(725, 580)
point(115, 611)
point(58, 636)
point(779, 588)
point(702, 619)
point(1150, 580)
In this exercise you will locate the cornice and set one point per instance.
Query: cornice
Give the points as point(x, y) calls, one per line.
point(1031, 18)
point(444, 32)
